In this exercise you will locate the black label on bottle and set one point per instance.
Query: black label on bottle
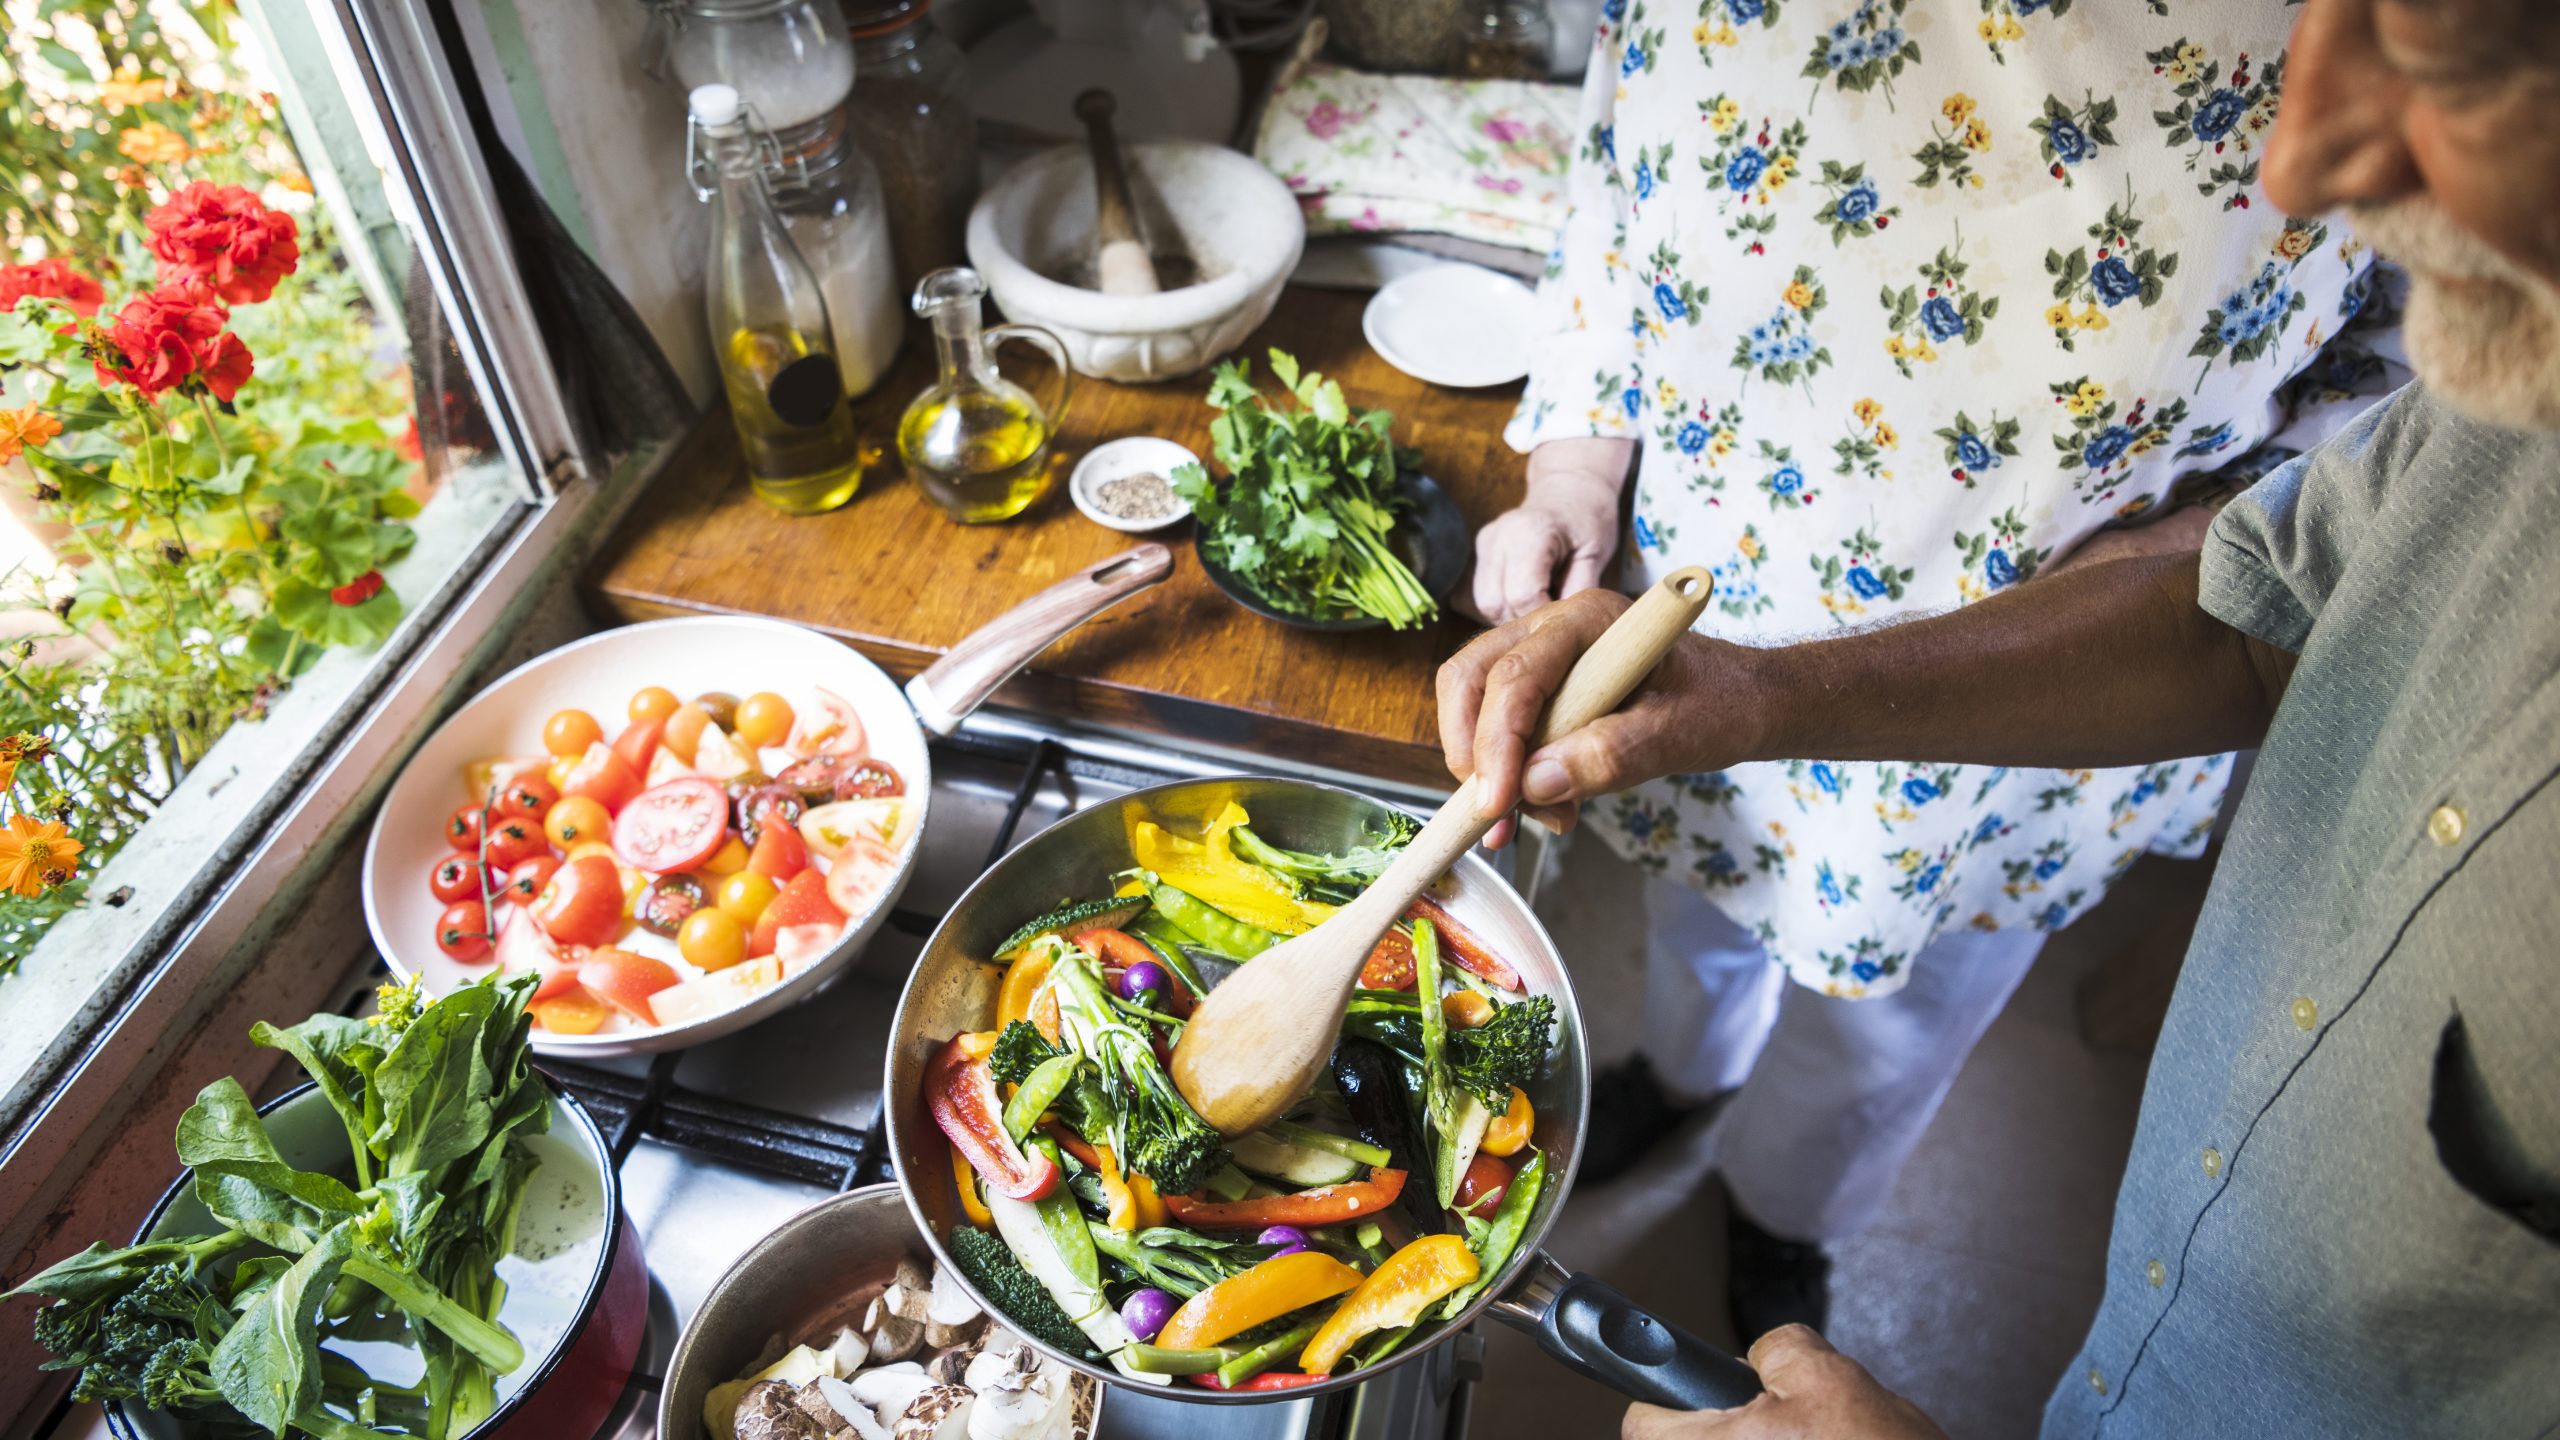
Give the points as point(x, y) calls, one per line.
point(807, 391)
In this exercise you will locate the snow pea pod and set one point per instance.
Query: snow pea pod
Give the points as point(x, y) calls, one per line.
point(1510, 1222)
point(1038, 1091)
point(1217, 932)
point(1065, 1226)
point(1267, 1354)
point(1159, 935)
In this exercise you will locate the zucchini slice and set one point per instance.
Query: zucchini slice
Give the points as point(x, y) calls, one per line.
point(1071, 920)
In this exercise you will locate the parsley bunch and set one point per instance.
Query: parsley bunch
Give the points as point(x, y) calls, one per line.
point(1306, 515)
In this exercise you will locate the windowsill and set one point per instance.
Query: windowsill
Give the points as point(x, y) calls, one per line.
point(84, 968)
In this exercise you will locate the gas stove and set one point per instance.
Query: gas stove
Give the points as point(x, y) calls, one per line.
point(720, 1143)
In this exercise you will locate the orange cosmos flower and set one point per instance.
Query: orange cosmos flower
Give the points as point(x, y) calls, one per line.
point(128, 87)
point(35, 854)
point(152, 143)
point(25, 429)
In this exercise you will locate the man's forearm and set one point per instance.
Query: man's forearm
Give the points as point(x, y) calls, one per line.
point(2115, 664)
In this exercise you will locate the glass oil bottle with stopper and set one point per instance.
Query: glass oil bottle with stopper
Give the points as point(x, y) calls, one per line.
point(977, 442)
point(769, 326)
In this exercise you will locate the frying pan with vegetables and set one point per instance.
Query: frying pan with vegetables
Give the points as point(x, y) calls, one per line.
point(945, 1024)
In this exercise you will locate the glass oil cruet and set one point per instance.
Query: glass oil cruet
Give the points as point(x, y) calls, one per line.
point(769, 327)
point(977, 442)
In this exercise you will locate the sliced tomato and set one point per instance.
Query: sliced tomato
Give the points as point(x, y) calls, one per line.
point(803, 901)
point(462, 932)
point(780, 853)
point(602, 776)
point(512, 840)
point(583, 903)
point(524, 948)
point(1390, 966)
point(824, 723)
point(868, 779)
point(526, 880)
point(638, 741)
point(863, 871)
point(675, 827)
point(626, 981)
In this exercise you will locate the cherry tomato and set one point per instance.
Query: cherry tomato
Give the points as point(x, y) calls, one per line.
point(639, 741)
point(576, 819)
point(676, 826)
point(868, 780)
point(652, 702)
point(780, 853)
point(457, 877)
point(462, 932)
point(862, 870)
point(576, 1013)
point(1480, 1189)
point(744, 895)
point(768, 805)
point(668, 900)
point(569, 733)
point(462, 828)
point(526, 880)
point(560, 769)
point(824, 778)
point(512, 840)
point(626, 981)
point(729, 859)
point(602, 776)
point(684, 731)
point(601, 849)
point(720, 706)
point(712, 939)
point(764, 718)
point(826, 725)
point(583, 903)
point(528, 796)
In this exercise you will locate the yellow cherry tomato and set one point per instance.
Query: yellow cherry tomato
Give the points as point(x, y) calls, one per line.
point(684, 731)
point(729, 859)
point(1511, 1129)
point(585, 848)
point(745, 894)
point(560, 769)
point(652, 702)
point(712, 938)
point(570, 732)
point(764, 718)
point(576, 821)
point(576, 1013)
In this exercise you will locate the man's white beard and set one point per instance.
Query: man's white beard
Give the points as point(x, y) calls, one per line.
point(2490, 348)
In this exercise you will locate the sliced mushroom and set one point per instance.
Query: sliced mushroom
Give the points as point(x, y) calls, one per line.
point(888, 1388)
point(912, 1274)
point(951, 1304)
point(915, 1302)
point(850, 1350)
point(770, 1411)
point(1038, 1411)
point(949, 1364)
point(897, 1339)
point(940, 1412)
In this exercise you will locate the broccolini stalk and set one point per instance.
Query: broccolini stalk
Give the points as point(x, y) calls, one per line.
point(1152, 1128)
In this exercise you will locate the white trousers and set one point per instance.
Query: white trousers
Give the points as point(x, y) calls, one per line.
point(1834, 1094)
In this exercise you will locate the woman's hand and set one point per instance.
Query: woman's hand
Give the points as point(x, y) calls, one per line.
point(1697, 711)
point(1813, 1392)
point(1567, 522)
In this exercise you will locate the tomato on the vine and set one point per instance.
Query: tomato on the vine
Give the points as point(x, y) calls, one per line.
point(462, 932)
point(512, 840)
point(526, 880)
point(462, 828)
point(459, 877)
point(528, 796)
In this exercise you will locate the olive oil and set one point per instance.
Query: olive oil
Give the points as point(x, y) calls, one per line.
point(976, 442)
point(797, 468)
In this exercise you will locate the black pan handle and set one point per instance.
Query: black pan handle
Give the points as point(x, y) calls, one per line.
point(1611, 1339)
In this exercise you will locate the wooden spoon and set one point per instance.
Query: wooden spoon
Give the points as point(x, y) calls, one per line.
point(1258, 1041)
point(1121, 261)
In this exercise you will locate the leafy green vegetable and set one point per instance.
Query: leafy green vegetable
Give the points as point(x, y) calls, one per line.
point(1308, 511)
point(1022, 1300)
point(435, 1099)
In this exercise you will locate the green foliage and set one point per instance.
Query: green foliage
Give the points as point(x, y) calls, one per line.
point(1308, 513)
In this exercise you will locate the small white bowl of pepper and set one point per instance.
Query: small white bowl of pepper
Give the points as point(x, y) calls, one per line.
point(1127, 484)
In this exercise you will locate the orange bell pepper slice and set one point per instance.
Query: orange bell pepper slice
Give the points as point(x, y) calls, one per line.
point(1411, 1281)
point(1325, 1205)
point(1021, 981)
point(973, 1204)
point(1266, 1292)
point(1511, 1129)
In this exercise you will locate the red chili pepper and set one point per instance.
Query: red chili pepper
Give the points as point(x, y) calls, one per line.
point(1267, 1380)
point(1327, 1205)
point(961, 1090)
point(357, 591)
point(1466, 949)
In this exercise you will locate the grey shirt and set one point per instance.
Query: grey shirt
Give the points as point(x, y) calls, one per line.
point(2341, 1215)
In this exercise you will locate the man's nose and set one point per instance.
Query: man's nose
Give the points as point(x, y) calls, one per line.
point(2338, 137)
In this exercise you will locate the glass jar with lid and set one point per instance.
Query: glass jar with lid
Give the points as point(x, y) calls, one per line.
point(789, 60)
point(910, 113)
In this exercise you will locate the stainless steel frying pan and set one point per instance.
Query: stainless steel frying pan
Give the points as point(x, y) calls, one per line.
point(1576, 1318)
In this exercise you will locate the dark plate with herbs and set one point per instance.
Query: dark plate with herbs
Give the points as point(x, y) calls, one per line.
point(1430, 538)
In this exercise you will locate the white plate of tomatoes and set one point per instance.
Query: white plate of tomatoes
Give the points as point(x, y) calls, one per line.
point(680, 826)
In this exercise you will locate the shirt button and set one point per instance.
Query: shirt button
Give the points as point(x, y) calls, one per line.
point(2212, 1162)
point(2305, 1013)
point(2097, 1381)
point(2156, 1273)
point(2445, 826)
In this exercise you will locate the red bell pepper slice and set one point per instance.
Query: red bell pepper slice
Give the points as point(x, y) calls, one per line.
point(1074, 1144)
point(961, 1089)
point(1267, 1380)
point(1465, 948)
point(1326, 1205)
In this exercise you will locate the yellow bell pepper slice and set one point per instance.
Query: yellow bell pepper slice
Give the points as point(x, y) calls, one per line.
point(1207, 870)
point(1151, 1211)
point(970, 1200)
point(1116, 1191)
point(1266, 1292)
point(1396, 1293)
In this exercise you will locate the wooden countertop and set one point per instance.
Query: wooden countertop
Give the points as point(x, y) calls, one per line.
point(894, 578)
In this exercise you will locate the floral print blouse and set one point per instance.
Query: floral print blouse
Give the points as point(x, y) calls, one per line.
point(1902, 299)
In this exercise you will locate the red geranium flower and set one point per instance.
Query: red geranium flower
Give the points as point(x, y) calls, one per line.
point(162, 336)
point(53, 279)
point(222, 235)
point(225, 364)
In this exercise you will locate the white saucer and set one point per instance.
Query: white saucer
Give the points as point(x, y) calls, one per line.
point(1127, 456)
point(1455, 325)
